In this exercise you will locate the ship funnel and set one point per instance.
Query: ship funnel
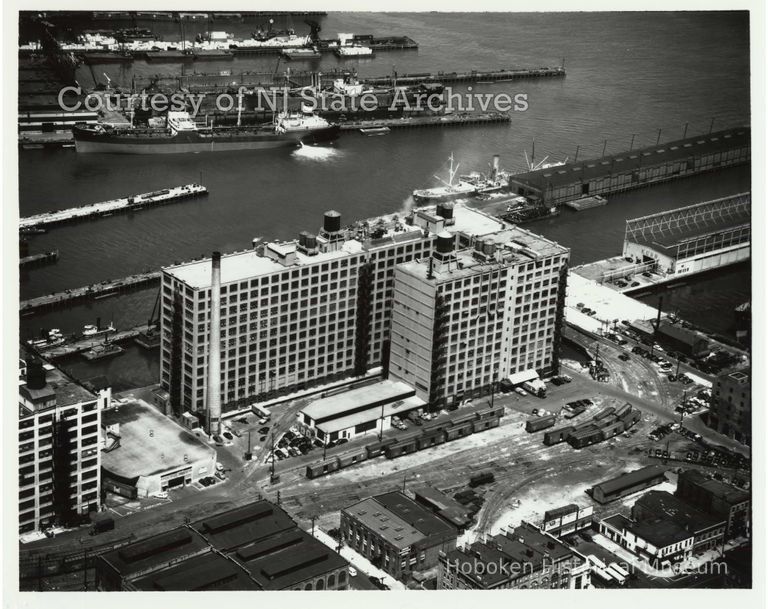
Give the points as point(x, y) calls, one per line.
point(213, 397)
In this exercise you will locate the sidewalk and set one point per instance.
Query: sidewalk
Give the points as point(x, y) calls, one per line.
point(357, 561)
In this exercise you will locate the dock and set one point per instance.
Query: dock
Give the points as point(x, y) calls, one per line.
point(131, 203)
point(91, 292)
point(448, 120)
point(473, 76)
point(84, 344)
point(638, 168)
point(39, 259)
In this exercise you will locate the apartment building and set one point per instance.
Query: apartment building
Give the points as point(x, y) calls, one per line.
point(297, 313)
point(59, 452)
point(465, 319)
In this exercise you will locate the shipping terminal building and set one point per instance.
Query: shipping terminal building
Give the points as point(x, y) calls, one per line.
point(300, 313)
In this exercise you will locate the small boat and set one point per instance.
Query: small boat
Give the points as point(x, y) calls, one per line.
point(98, 352)
point(95, 330)
point(311, 53)
point(370, 131)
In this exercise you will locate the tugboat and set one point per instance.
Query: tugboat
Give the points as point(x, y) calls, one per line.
point(98, 352)
point(450, 191)
point(90, 330)
point(182, 135)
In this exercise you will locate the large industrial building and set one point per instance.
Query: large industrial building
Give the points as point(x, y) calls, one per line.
point(719, 499)
point(145, 452)
point(254, 547)
point(59, 453)
point(396, 534)
point(463, 320)
point(691, 239)
point(523, 558)
point(615, 173)
point(297, 313)
point(730, 410)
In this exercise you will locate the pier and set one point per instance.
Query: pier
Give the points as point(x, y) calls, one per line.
point(94, 210)
point(84, 344)
point(94, 291)
point(557, 185)
point(669, 247)
point(473, 76)
point(38, 259)
point(447, 120)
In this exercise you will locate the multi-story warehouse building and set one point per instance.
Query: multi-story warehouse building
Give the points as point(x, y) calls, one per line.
point(718, 499)
point(396, 534)
point(463, 320)
point(59, 452)
point(523, 558)
point(297, 313)
point(730, 410)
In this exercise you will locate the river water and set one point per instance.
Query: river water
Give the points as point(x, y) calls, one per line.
point(627, 75)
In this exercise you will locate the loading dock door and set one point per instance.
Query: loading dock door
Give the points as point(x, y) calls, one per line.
point(176, 482)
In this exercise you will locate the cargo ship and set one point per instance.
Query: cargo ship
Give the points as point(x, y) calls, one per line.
point(468, 185)
point(182, 135)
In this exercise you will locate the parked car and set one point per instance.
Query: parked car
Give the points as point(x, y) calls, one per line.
point(624, 357)
point(520, 391)
point(227, 436)
point(219, 466)
point(352, 571)
point(264, 430)
point(218, 440)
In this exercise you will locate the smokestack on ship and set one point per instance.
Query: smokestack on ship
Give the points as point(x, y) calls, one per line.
point(213, 398)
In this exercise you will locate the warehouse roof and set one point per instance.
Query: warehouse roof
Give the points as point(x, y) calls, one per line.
point(154, 551)
point(623, 162)
point(210, 571)
point(244, 525)
point(418, 516)
point(630, 479)
point(374, 394)
point(665, 505)
point(726, 492)
point(372, 414)
point(394, 530)
point(445, 507)
point(287, 559)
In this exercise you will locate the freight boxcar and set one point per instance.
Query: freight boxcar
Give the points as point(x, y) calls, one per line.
point(482, 478)
point(585, 438)
point(611, 430)
point(631, 418)
point(430, 438)
point(322, 468)
point(376, 448)
point(485, 424)
point(622, 410)
point(555, 436)
point(539, 423)
point(459, 431)
point(403, 445)
point(352, 457)
point(605, 412)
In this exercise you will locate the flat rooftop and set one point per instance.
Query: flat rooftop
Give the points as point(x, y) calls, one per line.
point(724, 491)
point(630, 479)
point(669, 240)
point(150, 442)
point(624, 162)
point(372, 414)
point(210, 571)
point(286, 559)
point(393, 529)
point(513, 246)
point(244, 525)
point(665, 505)
point(364, 235)
point(376, 393)
point(418, 516)
point(68, 391)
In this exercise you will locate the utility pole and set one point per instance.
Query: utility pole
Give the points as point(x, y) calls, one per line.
point(85, 570)
point(381, 423)
point(677, 370)
point(404, 477)
point(272, 473)
point(313, 525)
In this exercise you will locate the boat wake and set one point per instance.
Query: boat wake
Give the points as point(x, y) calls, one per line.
point(317, 153)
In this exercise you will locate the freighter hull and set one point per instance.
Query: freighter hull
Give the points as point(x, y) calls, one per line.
point(183, 143)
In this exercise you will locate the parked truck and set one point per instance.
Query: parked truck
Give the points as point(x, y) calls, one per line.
point(536, 387)
point(102, 525)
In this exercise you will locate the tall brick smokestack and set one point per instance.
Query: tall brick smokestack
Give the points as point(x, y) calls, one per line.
point(213, 398)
